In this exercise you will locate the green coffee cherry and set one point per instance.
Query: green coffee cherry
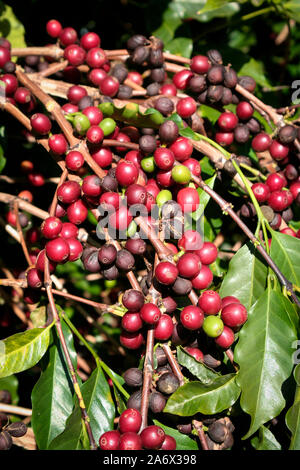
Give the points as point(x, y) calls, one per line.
point(157, 118)
point(213, 326)
point(148, 164)
point(181, 174)
point(107, 108)
point(132, 228)
point(108, 126)
point(81, 123)
point(130, 110)
point(163, 196)
point(109, 284)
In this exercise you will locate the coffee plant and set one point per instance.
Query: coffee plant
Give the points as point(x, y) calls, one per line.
point(150, 277)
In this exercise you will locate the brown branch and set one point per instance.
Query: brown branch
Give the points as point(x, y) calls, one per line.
point(198, 426)
point(21, 235)
point(173, 363)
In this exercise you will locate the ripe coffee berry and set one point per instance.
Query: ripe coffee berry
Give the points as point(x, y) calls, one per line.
point(278, 200)
point(229, 299)
point(74, 160)
point(152, 437)
point(77, 212)
point(133, 300)
point(109, 86)
point(110, 440)
point(181, 79)
point(75, 249)
point(166, 272)
point(68, 230)
point(74, 54)
point(192, 317)
point(164, 158)
point(58, 144)
point(278, 150)
point(182, 149)
point(120, 219)
point(68, 36)
point(164, 328)
point(130, 441)
point(261, 142)
point(234, 315)
point(34, 278)
point(227, 121)
point(53, 28)
point(226, 338)
point(150, 313)
point(275, 182)
point(40, 123)
point(57, 250)
point(261, 191)
point(130, 421)
point(51, 227)
point(132, 322)
point(200, 64)
point(224, 138)
point(136, 194)
point(131, 340)
point(75, 93)
point(11, 83)
point(22, 96)
point(4, 56)
point(196, 353)
point(244, 110)
point(40, 262)
point(210, 302)
point(203, 279)
point(188, 199)
point(68, 192)
point(126, 173)
point(90, 40)
point(189, 265)
point(190, 241)
point(186, 107)
point(208, 253)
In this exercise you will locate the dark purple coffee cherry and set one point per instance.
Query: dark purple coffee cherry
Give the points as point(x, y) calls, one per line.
point(125, 261)
point(164, 105)
point(197, 84)
point(107, 254)
point(247, 82)
point(133, 300)
point(156, 58)
point(133, 377)
point(91, 262)
point(214, 57)
point(120, 72)
point(153, 89)
point(215, 75)
point(287, 134)
point(168, 383)
point(124, 92)
point(111, 273)
point(214, 93)
point(217, 431)
point(136, 246)
point(226, 96)
point(147, 144)
point(5, 397)
point(139, 55)
point(168, 132)
point(182, 286)
point(230, 77)
point(17, 429)
point(158, 75)
point(241, 133)
point(157, 402)
point(136, 41)
point(161, 356)
point(135, 400)
point(5, 440)
point(253, 125)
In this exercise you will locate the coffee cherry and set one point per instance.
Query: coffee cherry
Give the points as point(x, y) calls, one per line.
point(77, 212)
point(152, 437)
point(166, 272)
point(181, 174)
point(75, 93)
point(208, 253)
point(168, 89)
point(74, 160)
point(226, 338)
point(278, 200)
point(196, 353)
point(200, 64)
point(182, 149)
point(68, 230)
point(213, 326)
point(68, 36)
point(51, 227)
point(133, 377)
point(126, 173)
point(186, 107)
point(130, 421)
point(91, 186)
point(168, 133)
point(229, 299)
point(34, 280)
point(36, 179)
point(197, 84)
point(181, 79)
point(68, 192)
point(135, 399)
point(261, 142)
point(90, 40)
point(244, 110)
point(261, 191)
point(163, 329)
point(227, 121)
point(287, 134)
point(130, 441)
point(17, 429)
point(110, 440)
point(193, 165)
point(190, 241)
point(53, 28)
point(241, 134)
point(288, 231)
point(40, 262)
point(150, 314)
point(188, 199)
point(57, 250)
point(133, 300)
point(224, 138)
point(230, 78)
point(247, 82)
point(4, 56)
point(182, 286)
point(295, 189)
point(5, 439)
point(11, 83)
point(278, 150)
point(189, 265)
point(58, 144)
point(253, 126)
point(109, 86)
point(275, 182)
point(40, 123)
point(234, 315)
point(192, 317)
point(131, 340)
point(124, 261)
point(75, 248)
point(120, 219)
point(157, 402)
point(74, 54)
point(23, 96)
point(164, 158)
point(210, 302)
point(111, 273)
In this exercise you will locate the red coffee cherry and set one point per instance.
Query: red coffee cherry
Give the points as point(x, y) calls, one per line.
point(186, 107)
point(166, 273)
point(182, 149)
point(95, 135)
point(130, 441)
point(278, 150)
point(261, 142)
point(181, 79)
point(224, 138)
point(200, 64)
point(234, 315)
point(152, 437)
point(210, 302)
point(226, 338)
point(132, 322)
point(126, 173)
point(91, 186)
point(75, 93)
point(164, 158)
point(57, 250)
point(58, 144)
point(229, 299)
point(93, 114)
point(77, 212)
point(23, 96)
point(278, 200)
point(51, 227)
point(75, 249)
point(96, 58)
point(131, 340)
point(130, 421)
point(90, 40)
point(288, 231)
point(188, 199)
point(295, 189)
point(208, 253)
point(109, 86)
point(68, 36)
point(275, 182)
point(192, 317)
point(40, 123)
point(203, 279)
point(190, 241)
point(74, 160)
point(120, 219)
point(74, 54)
point(189, 265)
point(150, 313)
point(193, 165)
point(68, 230)
point(96, 76)
point(133, 300)
point(169, 443)
point(53, 28)
point(40, 262)
point(227, 121)
point(34, 278)
point(244, 110)
point(11, 83)
point(169, 89)
point(68, 192)
point(196, 353)
point(261, 191)
point(110, 440)
point(164, 328)
point(4, 56)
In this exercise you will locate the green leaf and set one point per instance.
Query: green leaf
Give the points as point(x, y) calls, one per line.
point(256, 70)
point(204, 197)
point(183, 442)
point(209, 399)
point(265, 440)
point(52, 395)
point(39, 316)
point(209, 113)
point(10, 27)
point(292, 9)
point(198, 369)
point(188, 132)
point(265, 356)
point(180, 46)
point(2, 159)
point(23, 350)
point(11, 384)
point(171, 21)
point(100, 408)
point(293, 415)
point(285, 252)
point(246, 276)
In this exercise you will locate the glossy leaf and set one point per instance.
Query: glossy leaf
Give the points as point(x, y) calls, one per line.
point(285, 252)
point(195, 397)
point(23, 350)
point(52, 395)
point(264, 353)
point(180, 46)
point(256, 70)
point(10, 27)
point(246, 276)
point(198, 369)
point(100, 408)
point(265, 440)
point(183, 442)
point(293, 414)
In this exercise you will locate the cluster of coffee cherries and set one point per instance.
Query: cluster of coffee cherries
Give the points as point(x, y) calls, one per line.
point(237, 126)
point(9, 430)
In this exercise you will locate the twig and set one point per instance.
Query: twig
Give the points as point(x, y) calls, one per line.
point(198, 426)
